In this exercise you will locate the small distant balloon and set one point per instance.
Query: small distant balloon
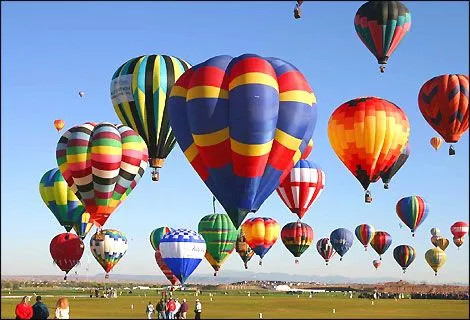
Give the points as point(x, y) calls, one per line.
point(81, 93)
point(59, 124)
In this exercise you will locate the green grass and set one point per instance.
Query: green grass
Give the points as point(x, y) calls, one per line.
point(244, 307)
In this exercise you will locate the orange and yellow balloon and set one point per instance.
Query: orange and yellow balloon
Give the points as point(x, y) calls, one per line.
point(436, 142)
point(261, 234)
point(59, 124)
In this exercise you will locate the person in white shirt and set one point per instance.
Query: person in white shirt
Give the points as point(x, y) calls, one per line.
point(149, 310)
point(177, 309)
point(62, 309)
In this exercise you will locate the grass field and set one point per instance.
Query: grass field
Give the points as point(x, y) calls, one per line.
point(237, 306)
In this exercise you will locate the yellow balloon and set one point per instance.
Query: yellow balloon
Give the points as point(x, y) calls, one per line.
point(436, 258)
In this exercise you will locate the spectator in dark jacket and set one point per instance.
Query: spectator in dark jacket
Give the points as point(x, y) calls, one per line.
point(40, 310)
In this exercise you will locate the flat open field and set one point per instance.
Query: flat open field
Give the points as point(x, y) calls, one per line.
point(244, 307)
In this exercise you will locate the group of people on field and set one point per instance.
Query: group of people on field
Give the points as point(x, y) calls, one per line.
point(172, 309)
point(39, 310)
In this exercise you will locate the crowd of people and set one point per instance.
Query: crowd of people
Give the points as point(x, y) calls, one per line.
point(450, 296)
point(39, 310)
point(172, 309)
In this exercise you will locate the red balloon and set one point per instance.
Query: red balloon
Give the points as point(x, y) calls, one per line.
point(66, 250)
point(166, 271)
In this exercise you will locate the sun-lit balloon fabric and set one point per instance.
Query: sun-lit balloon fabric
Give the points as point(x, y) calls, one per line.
point(59, 124)
point(261, 233)
point(164, 268)
point(365, 233)
point(60, 199)
point(66, 250)
point(297, 237)
point(100, 163)
point(302, 187)
point(157, 235)
point(458, 241)
point(182, 250)
point(243, 249)
point(108, 246)
point(434, 240)
point(388, 174)
point(436, 142)
point(368, 135)
point(139, 91)
point(443, 102)
point(435, 258)
point(83, 226)
point(381, 26)
point(412, 211)
point(380, 242)
point(220, 236)
point(240, 123)
point(341, 239)
point(325, 249)
point(442, 243)
point(404, 255)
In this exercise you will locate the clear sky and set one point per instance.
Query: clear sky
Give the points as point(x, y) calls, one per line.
point(51, 50)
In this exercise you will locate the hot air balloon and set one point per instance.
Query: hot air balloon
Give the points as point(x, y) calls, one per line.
point(436, 142)
point(81, 93)
point(83, 226)
point(404, 255)
point(434, 240)
point(381, 26)
point(297, 13)
point(435, 231)
point(443, 102)
point(388, 175)
point(100, 162)
point(182, 250)
point(164, 268)
point(302, 187)
point(412, 211)
point(341, 240)
point(364, 233)
point(261, 234)
point(242, 123)
point(307, 150)
point(368, 146)
point(60, 199)
point(435, 258)
point(325, 249)
point(442, 243)
point(376, 264)
point(381, 242)
point(458, 241)
point(66, 250)
point(157, 235)
point(220, 236)
point(459, 229)
point(59, 124)
point(108, 246)
point(139, 91)
point(297, 237)
point(243, 249)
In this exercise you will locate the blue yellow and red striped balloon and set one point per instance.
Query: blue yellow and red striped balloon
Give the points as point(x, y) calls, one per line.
point(404, 255)
point(412, 211)
point(261, 234)
point(365, 233)
point(242, 123)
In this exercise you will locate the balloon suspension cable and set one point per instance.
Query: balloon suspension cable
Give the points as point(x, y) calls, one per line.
point(451, 151)
point(213, 203)
point(382, 68)
point(246, 265)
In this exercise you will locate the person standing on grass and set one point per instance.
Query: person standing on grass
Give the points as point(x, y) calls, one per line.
point(62, 308)
point(198, 309)
point(161, 306)
point(184, 309)
point(40, 310)
point(177, 309)
point(23, 309)
point(171, 306)
point(149, 310)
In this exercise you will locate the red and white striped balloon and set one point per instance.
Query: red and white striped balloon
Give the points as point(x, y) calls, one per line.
point(302, 187)
point(459, 229)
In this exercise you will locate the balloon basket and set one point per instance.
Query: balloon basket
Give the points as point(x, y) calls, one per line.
point(382, 69)
point(386, 186)
point(215, 273)
point(451, 151)
point(380, 258)
point(261, 262)
point(106, 276)
point(296, 261)
point(341, 259)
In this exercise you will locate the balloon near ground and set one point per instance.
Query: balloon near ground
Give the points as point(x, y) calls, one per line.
point(139, 91)
point(243, 249)
point(325, 249)
point(381, 26)
point(297, 237)
point(242, 123)
point(368, 135)
point(182, 250)
point(365, 233)
point(100, 163)
point(404, 255)
point(66, 250)
point(341, 239)
point(443, 102)
point(108, 246)
point(381, 241)
point(435, 258)
point(302, 187)
point(261, 234)
point(220, 236)
point(412, 211)
point(164, 268)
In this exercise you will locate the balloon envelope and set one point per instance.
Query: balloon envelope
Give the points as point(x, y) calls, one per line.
point(261, 234)
point(365, 233)
point(297, 237)
point(412, 211)
point(157, 235)
point(341, 240)
point(435, 258)
point(108, 246)
point(396, 166)
point(164, 268)
point(381, 241)
point(243, 249)
point(436, 142)
point(59, 124)
point(66, 249)
point(325, 249)
point(404, 255)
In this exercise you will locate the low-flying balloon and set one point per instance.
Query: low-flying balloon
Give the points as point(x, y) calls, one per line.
point(412, 211)
point(108, 246)
point(297, 237)
point(325, 249)
point(436, 142)
point(164, 268)
point(66, 250)
point(261, 234)
point(243, 249)
point(341, 239)
point(381, 241)
point(404, 255)
point(365, 233)
point(435, 258)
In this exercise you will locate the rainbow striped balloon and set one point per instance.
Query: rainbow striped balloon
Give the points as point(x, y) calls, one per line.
point(261, 234)
point(297, 237)
point(365, 233)
point(101, 163)
point(412, 211)
point(404, 255)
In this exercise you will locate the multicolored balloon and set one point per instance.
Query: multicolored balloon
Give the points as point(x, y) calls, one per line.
point(381, 26)
point(261, 234)
point(59, 124)
point(365, 233)
point(436, 142)
point(443, 102)
point(139, 91)
point(377, 264)
point(412, 211)
point(60, 199)
point(108, 246)
point(243, 249)
point(242, 123)
point(404, 255)
point(442, 243)
point(164, 268)
point(182, 250)
point(341, 240)
point(83, 226)
point(66, 249)
point(435, 231)
point(297, 237)
point(157, 235)
point(220, 236)
point(325, 249)
point(302, 187)
point(100, 162)
point(381, 242)
point(390, 173)
point(368, 146)
point(435, 258)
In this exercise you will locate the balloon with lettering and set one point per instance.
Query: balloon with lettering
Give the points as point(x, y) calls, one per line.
point(66, 249)
point(436, 142)
point(108, 246)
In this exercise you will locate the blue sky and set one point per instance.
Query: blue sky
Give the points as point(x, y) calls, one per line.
point(51, 50)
